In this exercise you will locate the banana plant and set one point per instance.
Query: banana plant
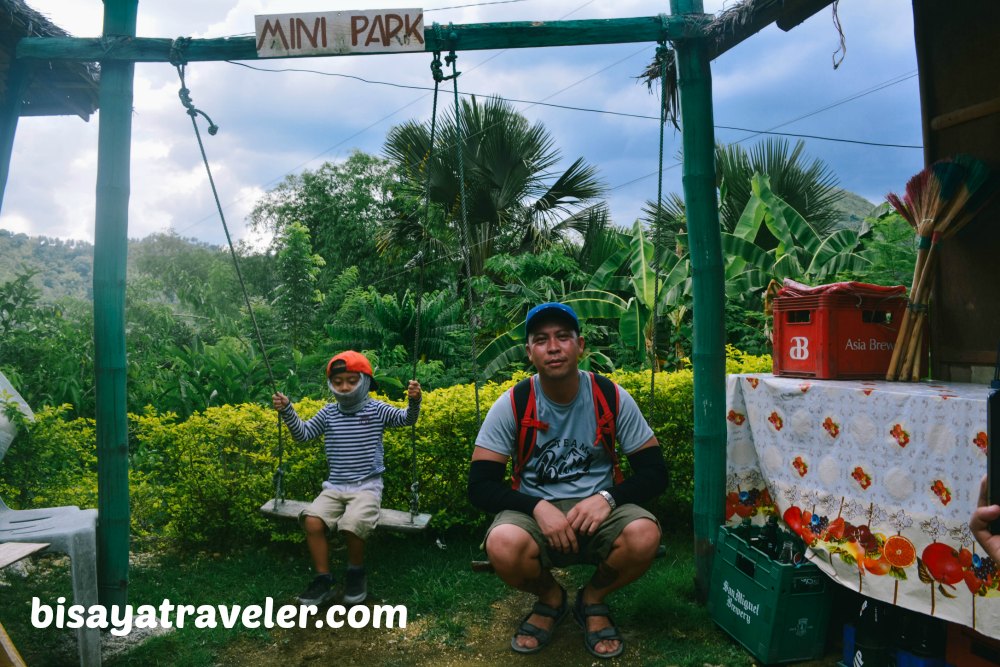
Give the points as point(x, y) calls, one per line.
point(623, 288)
point(802, 253)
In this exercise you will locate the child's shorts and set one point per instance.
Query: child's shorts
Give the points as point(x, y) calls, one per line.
point(353, 508)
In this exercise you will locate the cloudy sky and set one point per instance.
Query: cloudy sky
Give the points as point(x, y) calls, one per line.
point(279, 123)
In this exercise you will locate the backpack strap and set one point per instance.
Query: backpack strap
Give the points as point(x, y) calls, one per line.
point(527, 425)
point(606, 413)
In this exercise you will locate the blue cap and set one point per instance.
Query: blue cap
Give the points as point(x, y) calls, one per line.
point(548, 310)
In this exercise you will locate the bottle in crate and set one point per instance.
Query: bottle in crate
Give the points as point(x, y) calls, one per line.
point(871, 648)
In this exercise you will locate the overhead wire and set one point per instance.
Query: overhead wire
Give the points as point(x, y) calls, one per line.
point(340, 143)
point(543, 102)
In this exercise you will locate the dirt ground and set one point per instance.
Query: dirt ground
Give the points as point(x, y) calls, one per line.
point(486, 643)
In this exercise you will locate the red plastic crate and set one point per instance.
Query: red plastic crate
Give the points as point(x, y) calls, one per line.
point(835, 336)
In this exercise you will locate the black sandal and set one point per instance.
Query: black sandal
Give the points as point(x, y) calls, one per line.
point(543, 637)
point(592, 638)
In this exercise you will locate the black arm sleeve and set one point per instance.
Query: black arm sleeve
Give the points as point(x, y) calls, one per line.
point(488, 492)
point(649, 477)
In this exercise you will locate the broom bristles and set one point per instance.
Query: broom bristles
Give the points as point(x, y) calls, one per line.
point(901, 208)
point(950, 175)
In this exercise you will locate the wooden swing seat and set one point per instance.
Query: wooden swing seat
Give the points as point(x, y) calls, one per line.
point(392, 520)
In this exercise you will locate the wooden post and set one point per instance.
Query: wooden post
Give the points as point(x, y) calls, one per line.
point(18, 78)
point(705, 239)
point(110, 254)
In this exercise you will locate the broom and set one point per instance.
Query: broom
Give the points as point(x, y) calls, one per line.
point(962, 195)
point(939, 201)
point(917, 207)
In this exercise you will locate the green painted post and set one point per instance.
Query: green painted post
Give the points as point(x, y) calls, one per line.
point(110, 253)
point(709, 353)
point(18, 78)
point(470, 37)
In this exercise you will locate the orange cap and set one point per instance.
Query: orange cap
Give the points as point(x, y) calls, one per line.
point(349, 362)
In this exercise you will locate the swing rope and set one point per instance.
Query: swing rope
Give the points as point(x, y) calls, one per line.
point(452, 59)
point(662, 53)
point(177, 48)
point(436, 72)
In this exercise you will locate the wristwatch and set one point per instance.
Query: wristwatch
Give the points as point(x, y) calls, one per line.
point(610, 498)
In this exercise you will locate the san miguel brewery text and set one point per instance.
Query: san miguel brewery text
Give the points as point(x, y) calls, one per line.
point(738, 603)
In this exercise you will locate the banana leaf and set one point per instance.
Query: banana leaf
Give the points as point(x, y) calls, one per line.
point(641, 262)
point(632, 326)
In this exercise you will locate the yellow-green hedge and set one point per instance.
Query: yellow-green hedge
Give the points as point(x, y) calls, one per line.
point(203, 480)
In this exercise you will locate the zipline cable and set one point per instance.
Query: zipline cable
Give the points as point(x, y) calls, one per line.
point(177, 48)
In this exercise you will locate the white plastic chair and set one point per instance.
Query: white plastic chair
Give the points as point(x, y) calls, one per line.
point(68, 530)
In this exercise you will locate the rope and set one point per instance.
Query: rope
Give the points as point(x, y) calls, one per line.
point(662, 53)
point(452, 59)
point(438, 74)
point(177, 60)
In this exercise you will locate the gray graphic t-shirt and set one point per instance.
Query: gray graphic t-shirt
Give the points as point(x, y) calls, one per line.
point(568, 461)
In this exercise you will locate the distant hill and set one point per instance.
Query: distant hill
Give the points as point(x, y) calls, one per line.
point(64, 268)
point(854, 209)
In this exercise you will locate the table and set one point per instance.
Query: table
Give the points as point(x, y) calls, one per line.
point(11, 552)
point(878, 478)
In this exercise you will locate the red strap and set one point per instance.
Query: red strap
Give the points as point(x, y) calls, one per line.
point(527, 436)
point(606, 433)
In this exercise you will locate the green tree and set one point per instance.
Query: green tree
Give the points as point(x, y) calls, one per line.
point(343, 206)
point(809, 188)
point(196, 276)
point(891, 248)
point(515, 198)
point(383, 322)
point(801, 253)
point(621, 292)
point(296, 296)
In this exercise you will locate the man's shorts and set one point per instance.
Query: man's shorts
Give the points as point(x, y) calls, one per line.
point(592, 548)
point(353, 508)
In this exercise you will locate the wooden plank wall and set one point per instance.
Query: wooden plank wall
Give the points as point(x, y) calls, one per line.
point(958, 48)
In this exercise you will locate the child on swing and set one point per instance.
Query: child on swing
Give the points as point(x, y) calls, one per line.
point(352, 492)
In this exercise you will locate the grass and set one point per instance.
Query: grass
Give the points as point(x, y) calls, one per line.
point(455, 616)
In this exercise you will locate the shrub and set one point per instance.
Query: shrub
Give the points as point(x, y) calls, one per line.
point(202, 480)
point(52, 461)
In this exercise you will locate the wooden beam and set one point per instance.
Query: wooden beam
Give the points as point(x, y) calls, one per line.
point(461, 37)
point(964, 115)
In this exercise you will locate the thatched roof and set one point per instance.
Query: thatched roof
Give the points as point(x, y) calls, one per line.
point(727, 29)
point(56, 89)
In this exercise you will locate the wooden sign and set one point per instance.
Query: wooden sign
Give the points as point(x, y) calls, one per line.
point(340, 33)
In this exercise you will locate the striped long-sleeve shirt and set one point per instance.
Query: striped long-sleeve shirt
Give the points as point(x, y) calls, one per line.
point(353, 442)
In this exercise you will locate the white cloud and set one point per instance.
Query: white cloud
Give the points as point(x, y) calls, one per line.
point(273, 124)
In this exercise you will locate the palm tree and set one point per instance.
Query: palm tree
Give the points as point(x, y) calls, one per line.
point(811, 189)
point(385, 322)
point(514, 199)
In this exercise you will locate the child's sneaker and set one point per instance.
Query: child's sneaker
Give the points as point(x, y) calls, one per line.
point(318, 592)
point(355, 586)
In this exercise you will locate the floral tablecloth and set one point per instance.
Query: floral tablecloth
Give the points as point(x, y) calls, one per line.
point(878, 478)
